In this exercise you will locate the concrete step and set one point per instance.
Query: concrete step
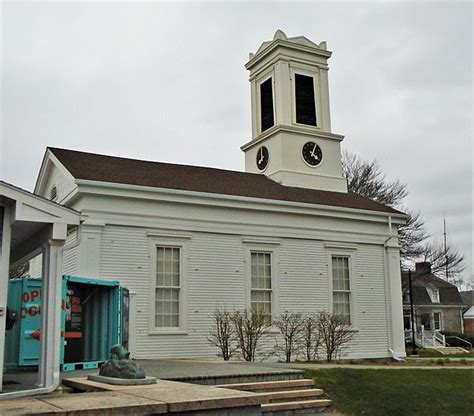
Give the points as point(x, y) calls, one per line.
point(269, 386)
point(291, 395)
point(296, 407)
point(450, 350)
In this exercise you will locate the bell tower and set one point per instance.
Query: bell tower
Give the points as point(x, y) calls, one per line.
point(292, 142)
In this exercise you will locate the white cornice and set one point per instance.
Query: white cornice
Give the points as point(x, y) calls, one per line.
point(290, 129)
point(286, 44)
point(233, 201)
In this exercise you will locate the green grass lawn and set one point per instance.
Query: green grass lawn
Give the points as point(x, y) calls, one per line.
point(384, 392)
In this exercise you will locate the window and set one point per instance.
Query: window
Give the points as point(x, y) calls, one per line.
point(304, 100)
point(437, 321)
point(261, 283)
point(434, 294)
point(426, 320)
point(168, 286)
point(341, 286)
point(53, 193)
point(406, 320)
point(266, 104)
point(406, 297)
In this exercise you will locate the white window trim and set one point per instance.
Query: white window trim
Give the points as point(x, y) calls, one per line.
point(441, 320)
point(317, 94)
point(260, 81)
point(274, 250)
point(431, 294)
point(182, 242)
point(351, 255)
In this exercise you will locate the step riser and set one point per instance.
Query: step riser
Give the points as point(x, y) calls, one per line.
point(296, 395)
point(221, 380)
point(302, 406)
point(299, 412)
point(272, 385)
point(277, 389)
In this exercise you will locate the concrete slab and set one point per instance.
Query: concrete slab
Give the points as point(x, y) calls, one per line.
point(107, 403)
point(84, 384)
point(178, 397)
point(26, 406)
point(206, 371)
point(195, 397)
point(122, 381)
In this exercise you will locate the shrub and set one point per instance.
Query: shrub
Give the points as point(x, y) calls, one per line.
point(335, 332)
point(222, 333)
point(250, 326)
point(310, 338)
point(290, 326)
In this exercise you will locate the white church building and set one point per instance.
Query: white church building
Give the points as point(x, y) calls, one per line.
point(285, 234)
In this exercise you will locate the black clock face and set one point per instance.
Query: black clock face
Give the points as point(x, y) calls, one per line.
point(262, 158)
point(312, 154)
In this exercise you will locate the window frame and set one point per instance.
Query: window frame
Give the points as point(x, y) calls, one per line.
point(441, 323)
point(350, 253)
point(294, 70)
point(266, 77)
point(173, 242)
point(262, 247)
point(433, 293)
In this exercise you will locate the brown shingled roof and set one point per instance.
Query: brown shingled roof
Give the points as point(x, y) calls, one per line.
point(448, 293)
point(104, 168)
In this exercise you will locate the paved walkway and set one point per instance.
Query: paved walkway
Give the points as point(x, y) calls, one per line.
point(162, 398)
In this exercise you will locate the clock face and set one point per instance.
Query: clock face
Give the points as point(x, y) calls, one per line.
point(312, 154)
point(262, 158)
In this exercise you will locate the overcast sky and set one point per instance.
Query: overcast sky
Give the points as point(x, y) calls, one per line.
point(165, 81)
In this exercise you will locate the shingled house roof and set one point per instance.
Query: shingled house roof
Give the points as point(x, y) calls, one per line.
point(422, 278)
point(113, 169)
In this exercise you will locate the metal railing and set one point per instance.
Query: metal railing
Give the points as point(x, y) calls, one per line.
point(460, 339)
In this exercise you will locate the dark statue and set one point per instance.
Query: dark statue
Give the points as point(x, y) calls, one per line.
point(119, 365)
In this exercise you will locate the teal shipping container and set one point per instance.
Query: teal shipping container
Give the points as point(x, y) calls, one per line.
point(94, 318)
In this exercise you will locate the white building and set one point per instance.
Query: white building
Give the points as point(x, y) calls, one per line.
point(187, 240)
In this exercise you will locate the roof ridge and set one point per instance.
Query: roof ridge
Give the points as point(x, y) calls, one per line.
point(96, 167)
point(148, 161)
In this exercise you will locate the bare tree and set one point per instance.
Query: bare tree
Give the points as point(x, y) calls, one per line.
point(310, 337)
point(222, 334)
point(250, 326)
point(290, 326)
point(335, 332)
point(367, 179)
point(446, 264)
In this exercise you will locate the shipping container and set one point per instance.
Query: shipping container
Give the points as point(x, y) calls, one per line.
point(94, 318)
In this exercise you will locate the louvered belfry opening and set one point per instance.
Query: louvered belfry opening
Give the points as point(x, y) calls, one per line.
point(305, 104)
point(266, 104)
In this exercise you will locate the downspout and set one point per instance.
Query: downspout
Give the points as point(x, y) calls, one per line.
point(56, 376)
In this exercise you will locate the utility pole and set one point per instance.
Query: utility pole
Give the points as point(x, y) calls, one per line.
point(412, 316)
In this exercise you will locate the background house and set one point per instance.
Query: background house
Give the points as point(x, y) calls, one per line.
point(438, 303)
point(468, 313)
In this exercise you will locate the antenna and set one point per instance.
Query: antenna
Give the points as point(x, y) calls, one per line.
point(445, 247)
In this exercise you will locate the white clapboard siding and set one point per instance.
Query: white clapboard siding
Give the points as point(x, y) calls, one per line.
point(216, 278)
point(58, 178)
point(70, 255)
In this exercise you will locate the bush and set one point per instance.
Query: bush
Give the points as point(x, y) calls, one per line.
point(250, 327)
point(310, 338)
point(222, 333)
point(291, 330)
point(335, 332)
